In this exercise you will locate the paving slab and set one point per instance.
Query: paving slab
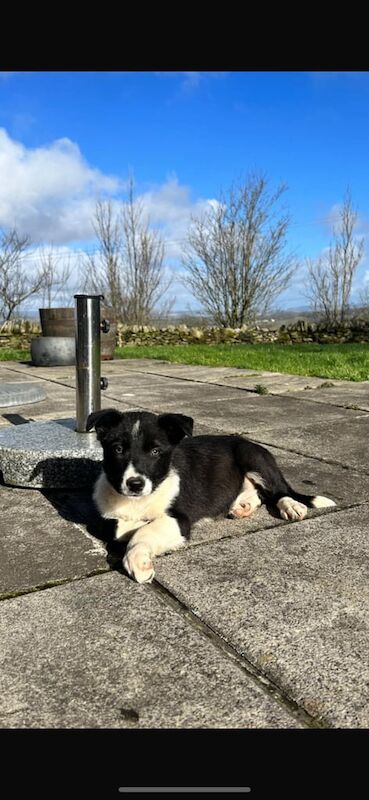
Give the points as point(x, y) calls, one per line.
point(159, 393)
point(60, 402)
point(343, 441)
point(184, 371)
point(319, 389)
point(60, 373)
point(279, 383)
point(295, 602)
point(39, 546)
point(198, 372)
point(248, 412)
point(314, 476)
point(9, 374)
point(348, 394)
point(106, 653)
point(238, 377)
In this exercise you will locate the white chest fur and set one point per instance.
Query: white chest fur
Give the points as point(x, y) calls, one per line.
point(113, 505)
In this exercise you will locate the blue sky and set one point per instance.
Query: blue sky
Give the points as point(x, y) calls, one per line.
point(66, 137)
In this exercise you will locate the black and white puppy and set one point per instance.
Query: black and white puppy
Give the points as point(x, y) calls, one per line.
point(158, 480)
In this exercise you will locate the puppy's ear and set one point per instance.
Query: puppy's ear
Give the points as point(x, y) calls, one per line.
point(103, 420)
point(176, 426)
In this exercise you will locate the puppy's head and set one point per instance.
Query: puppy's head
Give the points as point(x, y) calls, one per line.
point(138, 447)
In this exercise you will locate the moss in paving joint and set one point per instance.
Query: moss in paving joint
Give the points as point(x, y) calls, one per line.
point(51, 584)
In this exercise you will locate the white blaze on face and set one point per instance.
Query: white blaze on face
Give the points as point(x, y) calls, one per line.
point(131, 472)
point(135, 429)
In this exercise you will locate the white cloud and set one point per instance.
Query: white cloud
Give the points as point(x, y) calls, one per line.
point(49, 192)
point(170, 207)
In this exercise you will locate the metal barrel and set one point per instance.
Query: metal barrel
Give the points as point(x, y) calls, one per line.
point(88, 381)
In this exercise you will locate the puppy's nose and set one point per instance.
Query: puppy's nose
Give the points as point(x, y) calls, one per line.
point(135, 484)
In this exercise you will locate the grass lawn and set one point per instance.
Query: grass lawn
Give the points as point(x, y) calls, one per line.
point(341, 361)
point(13, 354)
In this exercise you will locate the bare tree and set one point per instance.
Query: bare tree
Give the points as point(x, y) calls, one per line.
point(103, 270)
point(128, 267)
point(56, 269)
point(17, 281)
point(235, 256)
point(143, 258)
point(364, 302)
point(331, 275)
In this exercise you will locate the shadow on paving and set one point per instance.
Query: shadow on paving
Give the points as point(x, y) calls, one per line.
point(78, 507)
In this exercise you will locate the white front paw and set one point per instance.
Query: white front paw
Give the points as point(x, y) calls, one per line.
point(138, 563)
point(291, 509)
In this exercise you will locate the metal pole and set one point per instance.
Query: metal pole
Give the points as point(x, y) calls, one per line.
point(88, 380)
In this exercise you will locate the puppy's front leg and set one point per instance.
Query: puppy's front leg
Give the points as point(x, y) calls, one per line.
point(160, 536)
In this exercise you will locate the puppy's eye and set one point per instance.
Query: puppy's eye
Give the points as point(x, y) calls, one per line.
point(155, 451)
point(118, 448)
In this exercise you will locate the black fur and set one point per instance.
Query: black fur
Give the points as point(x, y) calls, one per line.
point(212, 469)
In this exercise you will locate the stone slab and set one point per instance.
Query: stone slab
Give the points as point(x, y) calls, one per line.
point(347, 394)
point(342, 393)
point(106, 653)
point(13, 375)
point(190, 371)
point(314, 476)
point(59, 373)
point(155, 392)
point(276, 382)
point(39, 546)
point(246, 412)
point(60, 401)
point(343, 441)
point(295, 602)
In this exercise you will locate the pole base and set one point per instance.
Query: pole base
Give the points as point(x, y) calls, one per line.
point(49, 455)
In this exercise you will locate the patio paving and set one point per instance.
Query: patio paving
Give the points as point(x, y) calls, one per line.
point(257, 623)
